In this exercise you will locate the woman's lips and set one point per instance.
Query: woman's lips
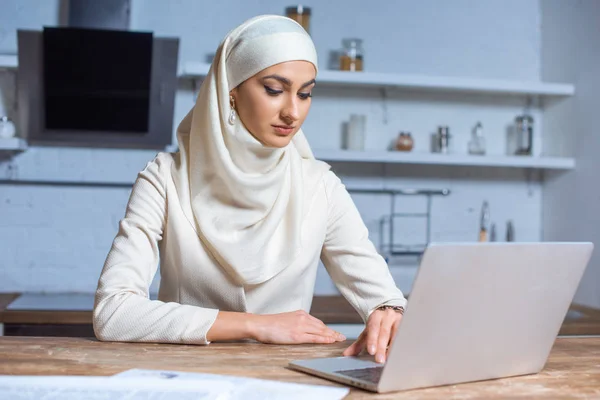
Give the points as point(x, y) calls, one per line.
point(283, 129)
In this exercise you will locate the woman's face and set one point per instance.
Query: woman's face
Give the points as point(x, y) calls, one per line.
point(274, 103)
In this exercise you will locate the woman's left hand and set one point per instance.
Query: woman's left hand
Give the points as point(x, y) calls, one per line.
point(377, 336)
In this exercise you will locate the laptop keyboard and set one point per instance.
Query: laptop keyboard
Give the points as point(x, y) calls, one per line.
point(372, 374)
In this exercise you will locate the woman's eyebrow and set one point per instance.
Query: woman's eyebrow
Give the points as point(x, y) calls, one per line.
point(279, 78)
point(308, 83)
point(286, 81)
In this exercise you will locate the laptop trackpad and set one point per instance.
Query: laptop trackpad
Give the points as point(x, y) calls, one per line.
point(338, 363)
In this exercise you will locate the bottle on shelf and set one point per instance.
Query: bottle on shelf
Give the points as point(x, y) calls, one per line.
point(477, 142)
point(484, 222)
point(510, 231)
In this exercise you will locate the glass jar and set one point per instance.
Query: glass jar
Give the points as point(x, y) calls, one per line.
point(524, 134)
point(405, 142)
point(300, 14)
point(352, 55)
point(477, 142)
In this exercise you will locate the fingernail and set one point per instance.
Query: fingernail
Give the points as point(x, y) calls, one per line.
point(372, 349)
point(380, 359)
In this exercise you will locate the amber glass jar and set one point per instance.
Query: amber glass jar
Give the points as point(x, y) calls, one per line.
point(300, 14)
point(351, 58)
point(405, 142)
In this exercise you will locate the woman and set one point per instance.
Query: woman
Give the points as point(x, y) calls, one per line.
point(240, 215)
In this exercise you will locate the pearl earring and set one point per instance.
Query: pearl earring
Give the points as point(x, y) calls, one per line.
point(232, 112)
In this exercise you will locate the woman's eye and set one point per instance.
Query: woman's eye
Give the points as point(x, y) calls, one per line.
point(272, 91)
point(304, 96)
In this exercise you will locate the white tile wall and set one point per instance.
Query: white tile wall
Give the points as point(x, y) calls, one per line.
point(55, 238)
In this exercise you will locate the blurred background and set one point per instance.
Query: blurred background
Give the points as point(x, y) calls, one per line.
point(447, 121)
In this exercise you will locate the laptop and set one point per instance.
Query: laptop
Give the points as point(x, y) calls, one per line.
point(476, 311)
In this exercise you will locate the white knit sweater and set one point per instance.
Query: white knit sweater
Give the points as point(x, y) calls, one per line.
point(194, 287)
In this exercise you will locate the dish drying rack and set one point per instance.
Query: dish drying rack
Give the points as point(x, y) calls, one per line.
point(398, 249)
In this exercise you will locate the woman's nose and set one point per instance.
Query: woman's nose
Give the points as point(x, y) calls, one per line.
point(290, 112)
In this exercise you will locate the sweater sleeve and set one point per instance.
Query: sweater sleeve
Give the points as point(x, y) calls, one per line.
point(359, 272)
point(122, 308)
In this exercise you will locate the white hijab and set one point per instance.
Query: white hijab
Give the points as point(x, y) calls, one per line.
point(244, 200)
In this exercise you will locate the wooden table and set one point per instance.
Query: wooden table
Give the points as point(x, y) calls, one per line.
point(330, 309)
point(572, 371)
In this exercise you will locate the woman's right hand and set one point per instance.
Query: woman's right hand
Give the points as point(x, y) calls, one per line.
point(294, 327)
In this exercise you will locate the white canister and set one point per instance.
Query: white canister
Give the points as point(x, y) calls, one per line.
point(356, 132)
point(7, 128)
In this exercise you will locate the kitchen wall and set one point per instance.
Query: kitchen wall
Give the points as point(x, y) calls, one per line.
point(571, 31)
point(55, 238)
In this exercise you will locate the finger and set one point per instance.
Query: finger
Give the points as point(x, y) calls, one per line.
point(335, 334)
point(394, 331)
point(384, 335)
point(319, 328)
point(319, 339)
point(355, 348)
point(373, 326)
point(323, 330)
point(314, 325)
point(315, 319)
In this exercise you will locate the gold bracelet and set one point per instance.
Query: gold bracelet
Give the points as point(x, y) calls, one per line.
point(399, 309)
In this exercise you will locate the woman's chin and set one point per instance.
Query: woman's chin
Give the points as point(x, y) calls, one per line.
point(277, 141)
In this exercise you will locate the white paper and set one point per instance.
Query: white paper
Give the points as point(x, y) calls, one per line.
point(244, 388)
point(104, 388)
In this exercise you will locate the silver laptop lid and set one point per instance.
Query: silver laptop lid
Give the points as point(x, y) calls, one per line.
point(483, 310)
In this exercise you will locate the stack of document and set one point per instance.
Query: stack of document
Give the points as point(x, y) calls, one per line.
point(138, 384)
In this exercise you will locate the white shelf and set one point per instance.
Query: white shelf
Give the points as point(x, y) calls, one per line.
point(395, 157)
point(375, 79)
point(420, 82)
point(8, 61)
point(13, 144)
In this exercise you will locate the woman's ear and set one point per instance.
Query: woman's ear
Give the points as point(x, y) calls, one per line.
point(232, 97)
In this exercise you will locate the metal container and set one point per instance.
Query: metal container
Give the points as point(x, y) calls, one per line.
point(443, 139)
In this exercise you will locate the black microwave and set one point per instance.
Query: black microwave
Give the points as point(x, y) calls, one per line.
point(96, 88)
